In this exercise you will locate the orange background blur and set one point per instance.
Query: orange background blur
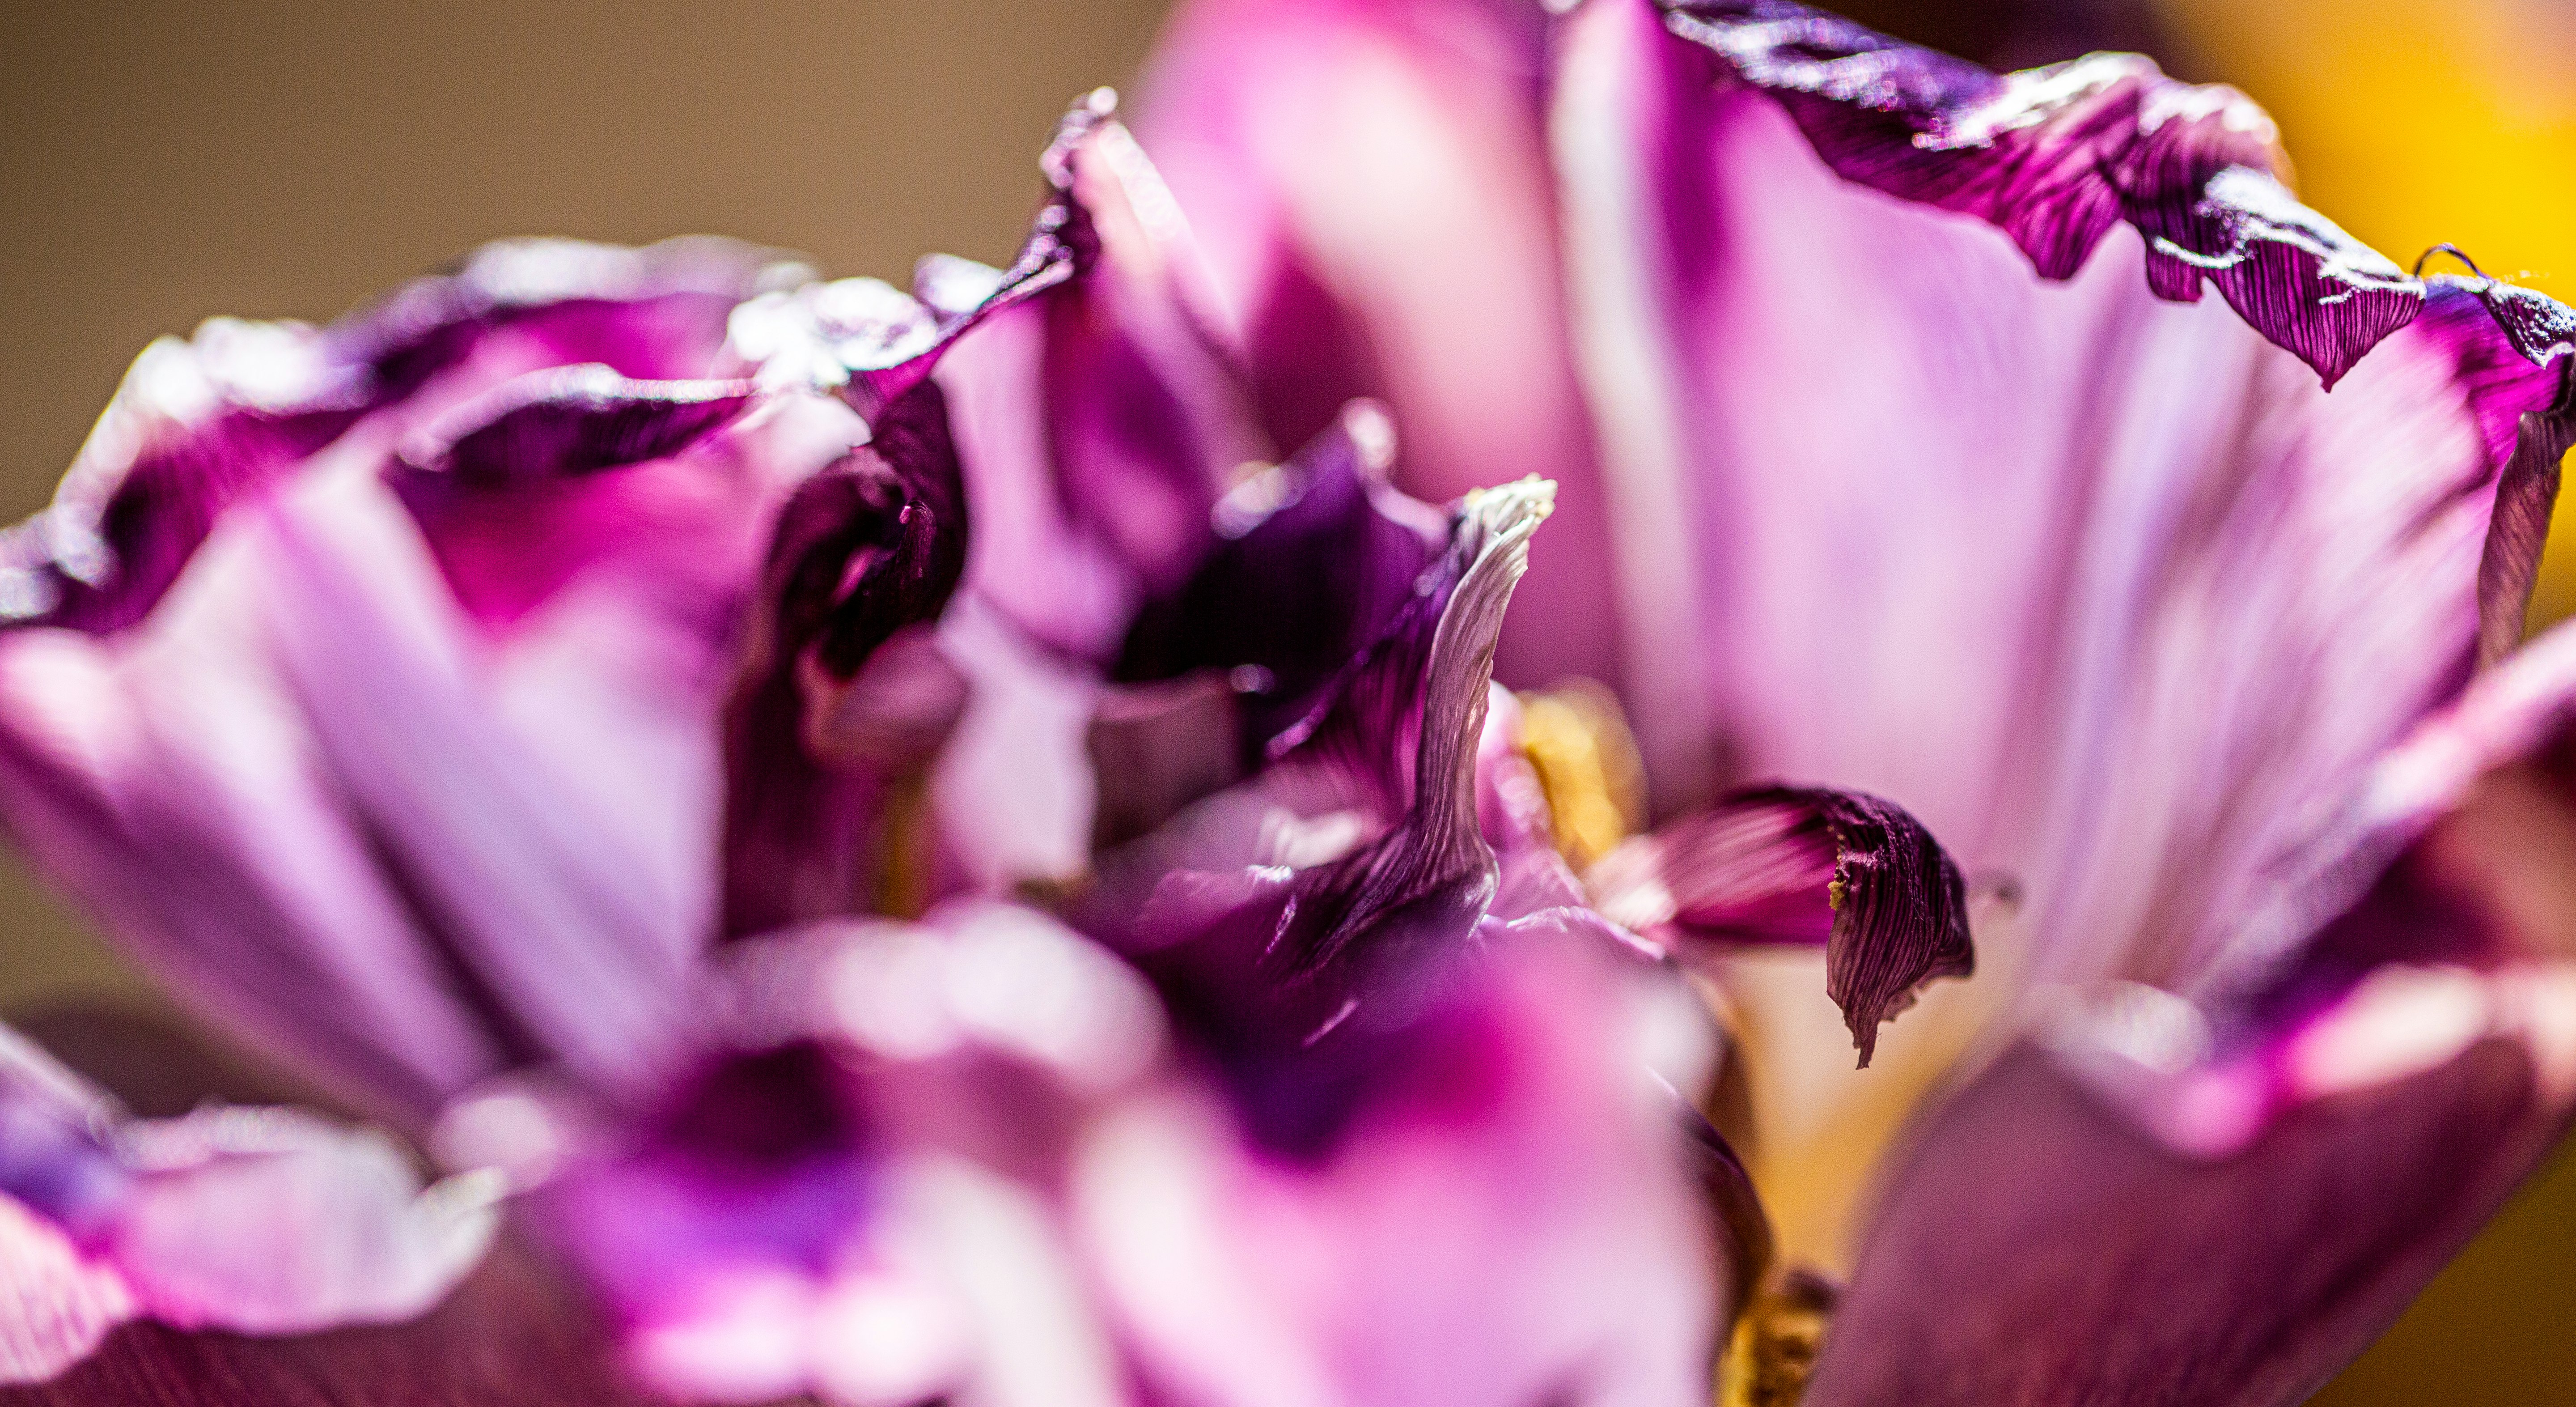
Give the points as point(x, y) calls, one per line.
point(160, 163)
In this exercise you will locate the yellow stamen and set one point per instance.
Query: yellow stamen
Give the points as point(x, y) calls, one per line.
point(1775, 1345)
point(903, 848)
point(1579, 744)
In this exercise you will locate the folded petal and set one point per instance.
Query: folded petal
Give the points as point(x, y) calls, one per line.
point(1783, 865)
point(819, 822)
point(868, 548)
point(1359, 848)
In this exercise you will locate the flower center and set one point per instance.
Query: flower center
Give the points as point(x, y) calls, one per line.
point(1775, 1345)
point(1578, 742)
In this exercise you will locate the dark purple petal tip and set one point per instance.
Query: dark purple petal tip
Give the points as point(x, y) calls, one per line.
point(1776, 865)
point(570, 421)
point(2056, 156)
point(1313, 558)
point(880, 345)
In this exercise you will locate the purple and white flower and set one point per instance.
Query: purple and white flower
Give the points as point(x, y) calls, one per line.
point(966, 845)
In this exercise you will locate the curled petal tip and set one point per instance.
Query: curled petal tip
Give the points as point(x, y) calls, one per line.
point(1779, 865)
point(1084, 117)
point(1372, 433)
point(1513, 511)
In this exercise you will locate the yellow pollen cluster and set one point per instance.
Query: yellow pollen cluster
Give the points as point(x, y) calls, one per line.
point(1578, 742)
point(1775, 1346)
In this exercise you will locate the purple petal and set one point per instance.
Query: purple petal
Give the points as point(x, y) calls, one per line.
point(842, 1195)
point(1394, 746)
point(874, 546)
point(209, 767)
point(1103, 421)
point(1505, 1221)
point(255, 1220)
point(1781, 865)
point(2261, 1186)
point(486, 831)
point(1313, 559)
point(201, 425)
point(1371, 183)
point(864, 550)
point(1144, 404)
point(174, 790)
point(1348, 874)
point(2038, 1249)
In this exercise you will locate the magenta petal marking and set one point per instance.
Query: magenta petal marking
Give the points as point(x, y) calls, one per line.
point(572, 420)
point(2057, 156)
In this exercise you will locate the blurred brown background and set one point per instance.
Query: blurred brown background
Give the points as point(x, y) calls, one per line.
point(160, 163)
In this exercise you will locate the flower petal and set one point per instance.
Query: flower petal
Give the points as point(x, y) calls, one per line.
point(2260, 1186)
point(254, 1220)
point(1313, 559)
point(1784, 865)
point(1372, 187)
point(1504, 1220)
point(2180, 538)
point(2037, 1248)
point(207, 760)
point(864, 550)
point(846, 1192)
point(200, 425)
point(1101, 422)
point(874, 546)
point(1359, 846)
